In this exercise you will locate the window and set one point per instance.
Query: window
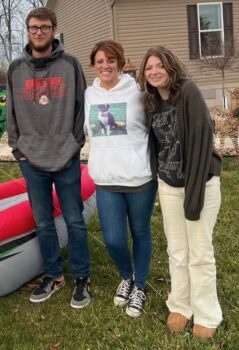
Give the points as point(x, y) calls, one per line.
point(210, 29)
point(60, 37)
point(211, 36)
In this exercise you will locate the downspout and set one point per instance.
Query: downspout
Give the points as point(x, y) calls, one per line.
point(112, 19)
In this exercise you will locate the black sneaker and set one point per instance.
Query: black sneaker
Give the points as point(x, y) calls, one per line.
point(81, 293)
point(123, 292)
point(137, 299)
point(48, 286)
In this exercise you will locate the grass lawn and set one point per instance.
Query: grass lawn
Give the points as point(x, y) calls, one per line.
point(54, 325)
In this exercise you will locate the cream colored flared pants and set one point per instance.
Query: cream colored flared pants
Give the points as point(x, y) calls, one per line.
point(191, 256)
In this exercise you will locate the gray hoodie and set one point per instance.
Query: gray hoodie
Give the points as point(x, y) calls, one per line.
point(45, 114)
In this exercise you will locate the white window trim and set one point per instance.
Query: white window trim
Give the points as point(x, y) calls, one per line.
point(210, 30)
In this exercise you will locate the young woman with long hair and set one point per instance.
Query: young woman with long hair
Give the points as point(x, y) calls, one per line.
point(188, 167)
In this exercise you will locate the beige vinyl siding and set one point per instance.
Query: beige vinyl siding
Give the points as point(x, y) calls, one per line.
point(83, 23)
point(141, 24)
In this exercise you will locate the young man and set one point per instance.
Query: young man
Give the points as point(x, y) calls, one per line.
point(45, 128)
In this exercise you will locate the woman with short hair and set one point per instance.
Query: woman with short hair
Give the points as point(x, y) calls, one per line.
point(120, 166)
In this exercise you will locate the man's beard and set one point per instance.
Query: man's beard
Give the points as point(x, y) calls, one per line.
point(40, 48)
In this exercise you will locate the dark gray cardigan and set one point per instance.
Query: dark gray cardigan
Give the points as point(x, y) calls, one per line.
point(199, 156)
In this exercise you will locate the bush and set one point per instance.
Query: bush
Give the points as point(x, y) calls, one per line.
point(236, 112)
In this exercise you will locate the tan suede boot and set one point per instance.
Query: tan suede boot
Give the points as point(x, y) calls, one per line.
point(176, 322)
point(203, 332)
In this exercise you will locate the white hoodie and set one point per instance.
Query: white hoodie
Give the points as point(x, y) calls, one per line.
point(117, 130)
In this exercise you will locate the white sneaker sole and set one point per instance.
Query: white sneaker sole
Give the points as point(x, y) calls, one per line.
point(48, 296)
point(120, 303)
point(133, 313)
point(74, 306)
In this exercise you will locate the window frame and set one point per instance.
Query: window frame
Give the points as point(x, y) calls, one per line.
point(221, 30)
point(60, 37)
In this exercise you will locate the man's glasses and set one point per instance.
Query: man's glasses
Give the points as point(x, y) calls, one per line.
point(45, 29)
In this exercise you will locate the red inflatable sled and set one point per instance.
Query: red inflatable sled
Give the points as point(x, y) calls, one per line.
point(20, 258)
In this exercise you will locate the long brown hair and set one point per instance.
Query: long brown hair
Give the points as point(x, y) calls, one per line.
point(175, 69)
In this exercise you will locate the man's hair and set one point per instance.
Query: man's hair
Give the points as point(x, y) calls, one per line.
point(111, 49)
point(42, 13)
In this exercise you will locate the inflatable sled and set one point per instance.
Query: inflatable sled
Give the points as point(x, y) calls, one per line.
point(20, 258)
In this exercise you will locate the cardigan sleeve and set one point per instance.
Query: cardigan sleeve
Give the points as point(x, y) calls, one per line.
point(198, 151)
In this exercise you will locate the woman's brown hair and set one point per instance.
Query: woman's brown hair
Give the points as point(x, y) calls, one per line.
point(175, 69)
point(111, 49)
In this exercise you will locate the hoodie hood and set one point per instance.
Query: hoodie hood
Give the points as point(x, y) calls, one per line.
point(43, 62)
point(125, 82)
point(57, 49)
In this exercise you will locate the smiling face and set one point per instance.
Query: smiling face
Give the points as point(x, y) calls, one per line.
point(106, 68)
point(156, 75)
point(41, 43)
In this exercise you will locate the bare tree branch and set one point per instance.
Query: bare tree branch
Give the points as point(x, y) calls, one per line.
point(221, 58)
point(12, 25)
point(36, 3)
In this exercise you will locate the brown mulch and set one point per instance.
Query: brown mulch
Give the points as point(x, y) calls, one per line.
point(8, 156)
point(225, 124)
point(226, 127)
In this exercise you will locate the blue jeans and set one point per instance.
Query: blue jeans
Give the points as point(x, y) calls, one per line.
point(114, 208)
point(67, 184)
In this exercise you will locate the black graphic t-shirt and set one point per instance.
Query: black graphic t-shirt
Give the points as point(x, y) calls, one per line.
point(165, 128)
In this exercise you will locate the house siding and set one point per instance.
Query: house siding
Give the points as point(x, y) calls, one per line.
point(141, 24)
point(83, 23)
point(138, 25)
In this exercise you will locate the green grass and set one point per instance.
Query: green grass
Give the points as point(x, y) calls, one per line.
point(54, 325)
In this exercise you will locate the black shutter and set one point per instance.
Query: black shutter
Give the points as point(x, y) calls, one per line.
point(193, 32)
point(228, 29)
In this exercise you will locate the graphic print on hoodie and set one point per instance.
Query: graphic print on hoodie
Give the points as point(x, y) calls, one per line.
point(117, 128)
point(43, 89)
point(108, 119)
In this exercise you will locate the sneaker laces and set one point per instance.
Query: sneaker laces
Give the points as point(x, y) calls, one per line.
point(45, 283)
point(124, 288)
point(137, 298)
